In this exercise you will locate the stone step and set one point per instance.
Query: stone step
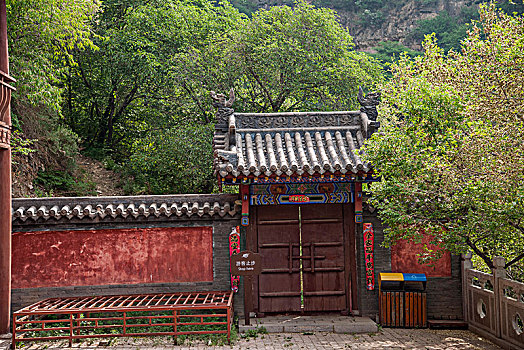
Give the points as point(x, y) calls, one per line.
point(5, 341)
point(301, 324)
point(447, 324)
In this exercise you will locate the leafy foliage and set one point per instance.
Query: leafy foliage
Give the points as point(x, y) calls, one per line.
point(42, 35)
point(283, 59)
point(129, 85)
point(448, 30)
point(390, 51)
point(451, 155)
point(19, 145)
point(65, 183)
point(176, 160)
point(511, 6)
point(149, 80)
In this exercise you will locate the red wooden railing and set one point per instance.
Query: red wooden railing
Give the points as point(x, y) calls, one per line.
point(125, 316)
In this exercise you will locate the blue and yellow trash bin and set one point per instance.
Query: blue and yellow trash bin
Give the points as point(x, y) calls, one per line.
point(402, 299)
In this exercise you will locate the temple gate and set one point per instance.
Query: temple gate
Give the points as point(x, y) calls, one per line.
point(300, 178)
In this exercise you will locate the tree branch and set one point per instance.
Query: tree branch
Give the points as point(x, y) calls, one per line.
point(266, 92)
point(480, 253)
point(127, 100)
point(515, 260)
point(197, 101)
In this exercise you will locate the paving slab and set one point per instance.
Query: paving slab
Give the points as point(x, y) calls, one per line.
point(300, 324)
point(384, 339)
point(5, 341)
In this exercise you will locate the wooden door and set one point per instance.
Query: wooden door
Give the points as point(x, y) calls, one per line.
point(323, 257)
point(303, 258)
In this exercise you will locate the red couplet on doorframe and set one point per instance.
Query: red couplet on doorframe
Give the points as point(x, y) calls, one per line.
point(369, 237)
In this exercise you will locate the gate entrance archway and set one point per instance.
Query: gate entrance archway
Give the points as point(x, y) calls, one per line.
point(305, 252)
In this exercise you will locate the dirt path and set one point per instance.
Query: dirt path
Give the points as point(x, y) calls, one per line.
point(106, 180)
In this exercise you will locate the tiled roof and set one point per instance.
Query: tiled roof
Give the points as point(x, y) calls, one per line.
point(100, 208)
point(300, 143)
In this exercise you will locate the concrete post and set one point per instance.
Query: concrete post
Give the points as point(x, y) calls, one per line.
point(5, 191)
point(498, 272)
point(466, 265)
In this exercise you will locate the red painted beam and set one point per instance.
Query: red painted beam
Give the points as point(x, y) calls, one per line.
point(5, 193)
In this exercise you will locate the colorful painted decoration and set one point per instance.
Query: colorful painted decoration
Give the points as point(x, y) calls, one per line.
point(244, 191)
point(302, 188)
point(297, 179)
point(304, 193)
point(299, 198)
point(307, 198)
point(234, 248)
point(358, 203)
point(368, 255)
point(306, 179)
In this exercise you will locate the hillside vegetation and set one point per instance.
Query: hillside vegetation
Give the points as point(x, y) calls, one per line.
point(127, 83)
point(451, 148)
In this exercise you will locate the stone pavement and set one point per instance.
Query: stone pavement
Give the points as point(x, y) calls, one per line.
point(299, 324)
point(388, 338)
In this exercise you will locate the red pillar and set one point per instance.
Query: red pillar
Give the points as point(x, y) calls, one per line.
point(5, 182)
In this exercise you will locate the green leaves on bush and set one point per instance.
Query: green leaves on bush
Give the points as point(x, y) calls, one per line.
point(64, 184)
point(450, 152)
point(176, 160)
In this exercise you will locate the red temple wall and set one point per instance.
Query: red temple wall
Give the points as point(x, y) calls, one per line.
point(404, 259)
point(120, 256)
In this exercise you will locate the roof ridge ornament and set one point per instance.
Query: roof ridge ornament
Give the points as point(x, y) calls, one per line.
point(369, 103)
point(223, 107)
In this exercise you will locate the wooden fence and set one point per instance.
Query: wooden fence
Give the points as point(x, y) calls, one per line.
point(494, 304)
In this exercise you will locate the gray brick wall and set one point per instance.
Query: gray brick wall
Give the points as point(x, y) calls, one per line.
point(444, 294)
point(368, 300)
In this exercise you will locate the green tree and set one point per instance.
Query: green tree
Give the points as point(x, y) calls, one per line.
point(282, 59)
point(42, 35)
point(129, 86)
point(449, 30)
point(451, 152)
point(176, 160)
point(390, 51)
point(157, 61)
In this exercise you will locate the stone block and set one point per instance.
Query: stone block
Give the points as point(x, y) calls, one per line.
point(325, 327)
point(359, 325)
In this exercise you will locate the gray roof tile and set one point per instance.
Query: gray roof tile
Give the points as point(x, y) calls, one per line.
point(98, 208)
point(304, 143)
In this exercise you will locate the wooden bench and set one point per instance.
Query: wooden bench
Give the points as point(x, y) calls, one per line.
point(125, 316)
